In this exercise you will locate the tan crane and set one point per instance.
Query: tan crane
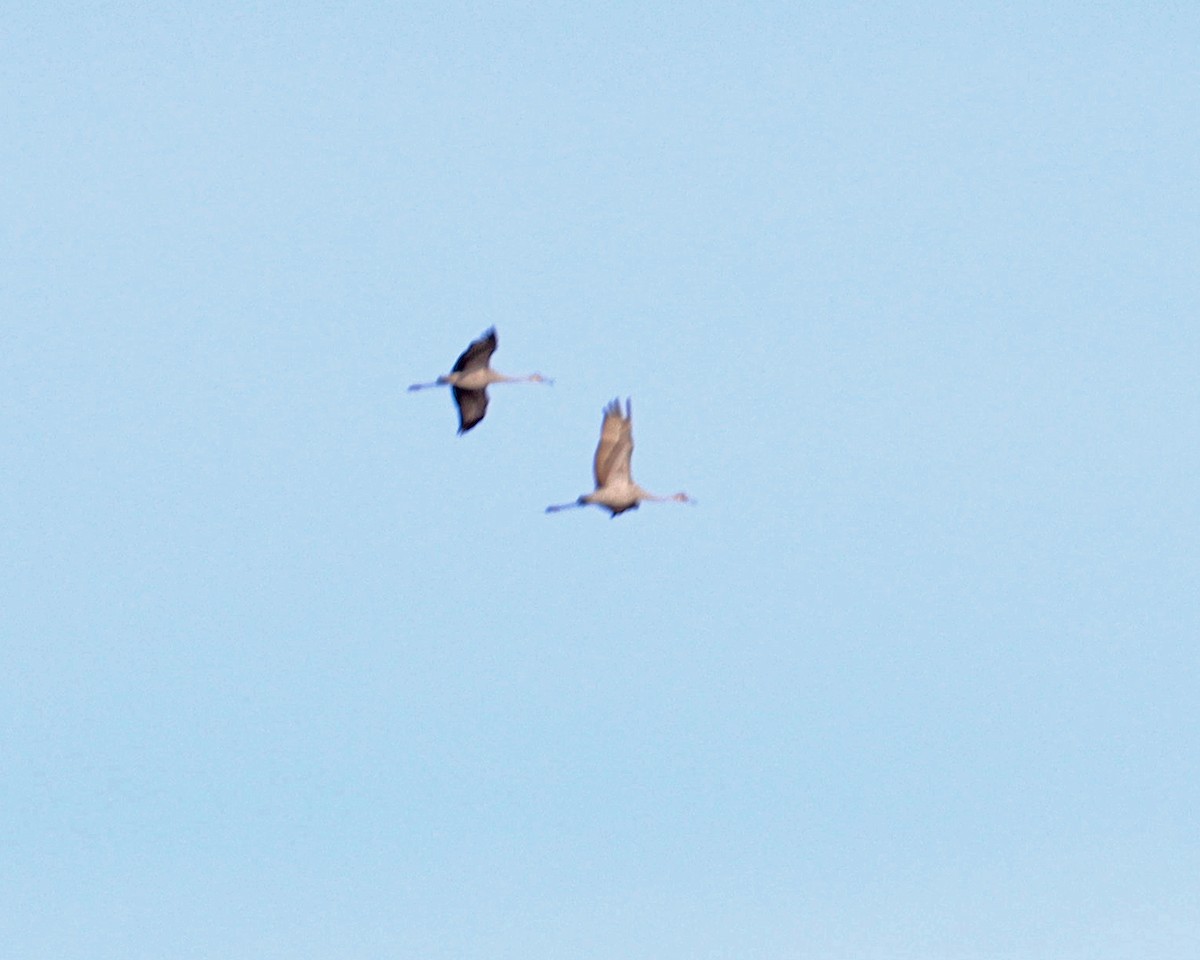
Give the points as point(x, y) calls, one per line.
point(615, 490)
point(470, 379)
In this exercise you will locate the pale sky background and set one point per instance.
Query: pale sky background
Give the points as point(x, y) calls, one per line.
point(905, 294)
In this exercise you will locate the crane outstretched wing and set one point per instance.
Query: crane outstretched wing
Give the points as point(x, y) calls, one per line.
point(472, 405)
point(615, 449)
point(477, 355)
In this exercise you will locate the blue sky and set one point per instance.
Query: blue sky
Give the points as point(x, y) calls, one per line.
point(904, 294)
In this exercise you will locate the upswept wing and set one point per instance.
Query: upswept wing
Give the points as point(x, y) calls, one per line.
point(472, 405)
point(615, 449)
point(477, 355)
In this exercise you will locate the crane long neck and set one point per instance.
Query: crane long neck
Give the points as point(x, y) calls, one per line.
point(673, 498)
point(528, 378)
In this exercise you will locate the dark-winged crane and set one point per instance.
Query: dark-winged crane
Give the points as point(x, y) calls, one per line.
point(471, 377)
point(615, 490)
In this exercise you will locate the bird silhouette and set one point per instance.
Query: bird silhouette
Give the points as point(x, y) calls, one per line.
point(615, 490)
point(471, 377)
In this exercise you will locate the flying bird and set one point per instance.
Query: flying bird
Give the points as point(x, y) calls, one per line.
point(470, 378)
point(615, 490)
